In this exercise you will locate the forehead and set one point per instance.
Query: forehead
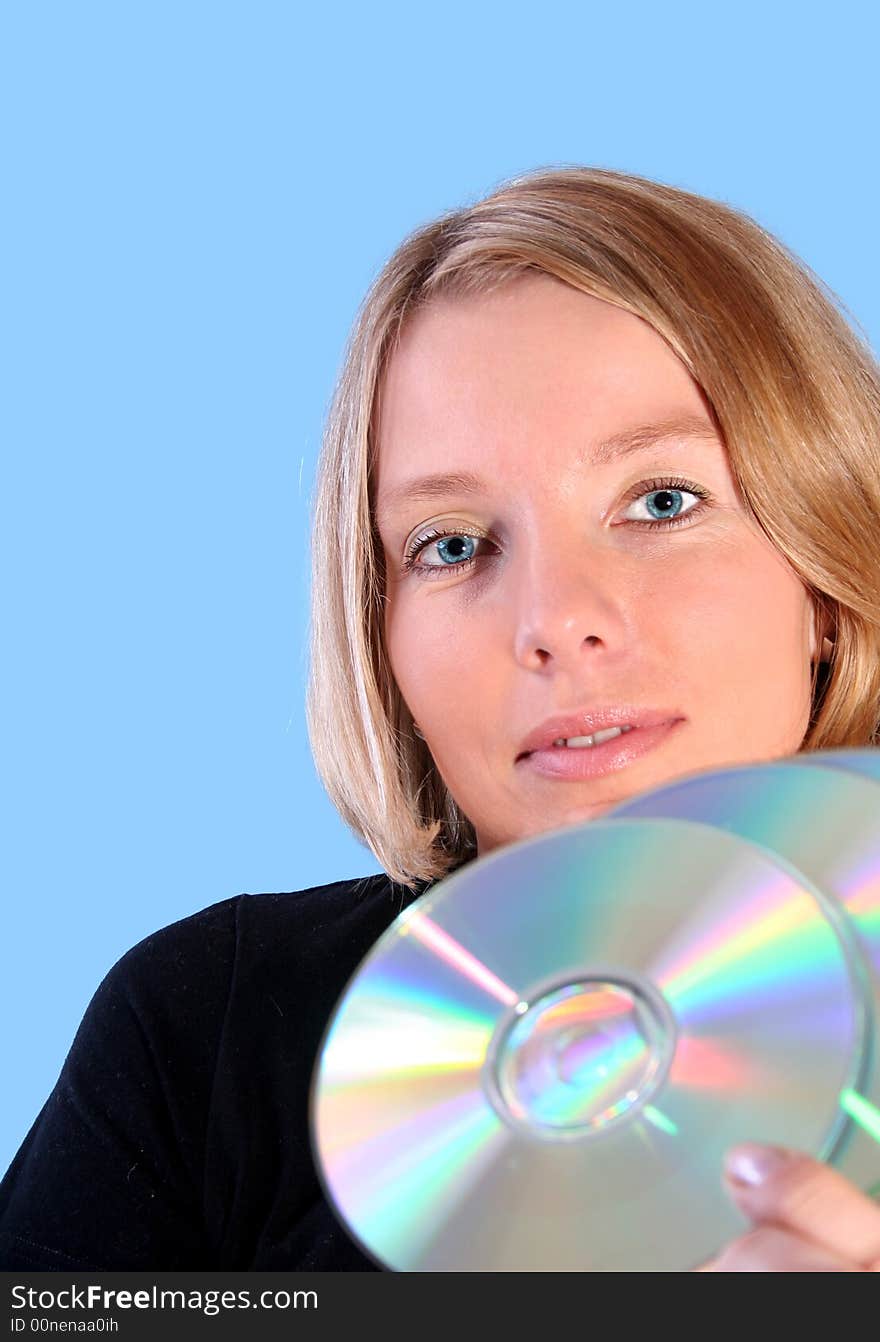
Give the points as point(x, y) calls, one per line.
point(535, 366)
point(524, 326)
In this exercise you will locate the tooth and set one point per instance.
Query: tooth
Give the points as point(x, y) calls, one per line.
point(577, 742)
point(606, 735)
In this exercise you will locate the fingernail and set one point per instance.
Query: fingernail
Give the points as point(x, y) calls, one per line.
point(752, 1164)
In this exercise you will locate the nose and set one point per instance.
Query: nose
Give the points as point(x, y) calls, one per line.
point(569, 608)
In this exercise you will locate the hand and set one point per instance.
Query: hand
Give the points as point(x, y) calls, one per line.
point(807, 1217)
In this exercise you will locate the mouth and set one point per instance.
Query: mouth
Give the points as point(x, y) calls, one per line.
point(570, 763)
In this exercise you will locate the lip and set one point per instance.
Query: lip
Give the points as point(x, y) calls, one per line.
point(568, 763)
point(588, 721)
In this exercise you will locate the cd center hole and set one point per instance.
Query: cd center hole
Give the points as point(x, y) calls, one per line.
point(584, 1053)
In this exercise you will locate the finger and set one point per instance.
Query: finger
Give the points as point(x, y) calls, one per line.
point(773, 1249)
point(791, 1190)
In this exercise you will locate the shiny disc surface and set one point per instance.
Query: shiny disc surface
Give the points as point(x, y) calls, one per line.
point(541, 1063)
point(825, 822)
point(865, 761)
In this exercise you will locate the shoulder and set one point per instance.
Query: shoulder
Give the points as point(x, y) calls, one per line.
point(306, 944)
point(328, 914)
point(181, 1108)
point(198, 960)
point(211, 990)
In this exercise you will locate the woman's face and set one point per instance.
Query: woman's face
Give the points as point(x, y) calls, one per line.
point(572, 600)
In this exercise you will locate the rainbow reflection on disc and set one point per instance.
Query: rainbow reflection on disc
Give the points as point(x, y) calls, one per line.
point(825, 823)
point(540, 1064)
point(864, 761)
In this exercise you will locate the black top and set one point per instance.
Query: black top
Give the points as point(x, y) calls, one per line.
point(177, 1135)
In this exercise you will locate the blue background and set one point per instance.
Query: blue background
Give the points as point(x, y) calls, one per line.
point(195, 199)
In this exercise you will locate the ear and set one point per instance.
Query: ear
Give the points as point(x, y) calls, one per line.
point(821, 632)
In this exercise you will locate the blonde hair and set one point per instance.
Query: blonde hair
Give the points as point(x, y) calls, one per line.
point(795, 394)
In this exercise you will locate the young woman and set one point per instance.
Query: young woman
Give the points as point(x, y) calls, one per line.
point(602, 455)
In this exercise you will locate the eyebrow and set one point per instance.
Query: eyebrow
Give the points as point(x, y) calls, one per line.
point(614, 448)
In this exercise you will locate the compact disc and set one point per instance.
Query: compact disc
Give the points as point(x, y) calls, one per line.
point(860, 761)
point(825, 822)
point(540, 1065)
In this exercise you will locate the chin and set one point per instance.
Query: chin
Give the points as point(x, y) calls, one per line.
point(579, 815)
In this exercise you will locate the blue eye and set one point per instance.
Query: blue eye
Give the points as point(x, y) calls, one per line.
point(665, 503)
point(456, 550)
point(669, 504)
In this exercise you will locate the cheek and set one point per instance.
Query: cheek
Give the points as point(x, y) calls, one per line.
point(444, 659)
point(749, 620)
point(428, 656)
